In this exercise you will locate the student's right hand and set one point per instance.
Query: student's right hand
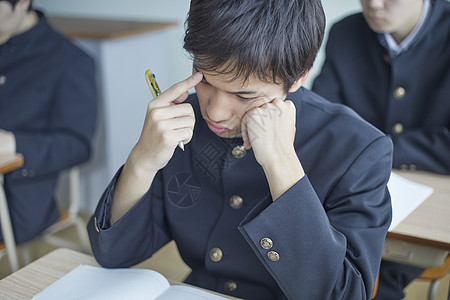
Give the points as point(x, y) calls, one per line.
point(7, 142)
point(167, 122)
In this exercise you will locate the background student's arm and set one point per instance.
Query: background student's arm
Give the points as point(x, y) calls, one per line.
point(61, 135)
point(165, 125)
point(426, 149)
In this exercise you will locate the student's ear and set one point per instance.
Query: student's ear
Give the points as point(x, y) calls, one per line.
point(299, 82)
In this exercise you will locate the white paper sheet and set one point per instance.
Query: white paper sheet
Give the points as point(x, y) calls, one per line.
point(406, 196)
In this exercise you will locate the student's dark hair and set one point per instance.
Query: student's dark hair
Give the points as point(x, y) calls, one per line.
point(14, 2)
point(275, 40)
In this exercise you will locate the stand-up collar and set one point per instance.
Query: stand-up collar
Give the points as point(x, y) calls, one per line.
point(22, 39)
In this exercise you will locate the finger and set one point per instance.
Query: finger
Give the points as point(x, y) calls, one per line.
point(276, 101)
point(170, 112)
point(178, 123)
point(178, 90)
point(173, 137)
point(244, 132)
point(181, 99)
point(189, 133)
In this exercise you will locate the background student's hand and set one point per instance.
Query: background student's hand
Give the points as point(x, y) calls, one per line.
point(270, 130)
point(7, 142)
point(167, 122)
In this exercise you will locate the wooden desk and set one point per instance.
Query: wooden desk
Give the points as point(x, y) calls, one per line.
point(33, 278)
point(8, 163)
point(99, 29)
point(423, 238)
point(11, 162)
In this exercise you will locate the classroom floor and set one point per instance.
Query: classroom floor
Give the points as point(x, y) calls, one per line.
point(168, 262)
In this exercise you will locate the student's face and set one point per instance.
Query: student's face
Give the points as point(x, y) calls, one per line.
point(224, 103)
point(392, 16)
point(11, 17)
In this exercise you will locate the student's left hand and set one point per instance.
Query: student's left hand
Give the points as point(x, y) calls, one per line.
point(270, 130)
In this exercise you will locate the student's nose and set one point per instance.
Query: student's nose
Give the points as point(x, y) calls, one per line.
point(220, 107)
point(375, 4)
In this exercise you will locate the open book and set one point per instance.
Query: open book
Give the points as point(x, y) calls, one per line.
point(89, 282)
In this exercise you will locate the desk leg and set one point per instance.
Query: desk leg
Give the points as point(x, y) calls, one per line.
point(7, 232)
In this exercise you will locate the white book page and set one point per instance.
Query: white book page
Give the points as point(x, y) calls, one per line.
point(406, 196)
point(176, 292)
point(89, 282)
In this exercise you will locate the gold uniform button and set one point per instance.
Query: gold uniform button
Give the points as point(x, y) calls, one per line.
point(266, 243)
point(397, 128)
point(236, 202)
point(230, 286)
point(412, 167)
point(403, 167)
point(273, 256)
point(95, 224)
point(239, 151)
point(399, 93)
point(386, 58)
point(2, 80)
point(216, 254)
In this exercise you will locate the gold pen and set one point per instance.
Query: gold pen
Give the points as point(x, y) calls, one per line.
point(156, 91)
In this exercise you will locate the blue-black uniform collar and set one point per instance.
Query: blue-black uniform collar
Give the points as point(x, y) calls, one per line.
point(434, 17)
point(24, 38)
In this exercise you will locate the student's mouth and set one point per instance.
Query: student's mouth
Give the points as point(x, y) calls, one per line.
point(217, 129)
point(375, 20)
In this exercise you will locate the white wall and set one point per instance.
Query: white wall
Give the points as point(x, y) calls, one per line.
point(139, 10)
point(170, 10)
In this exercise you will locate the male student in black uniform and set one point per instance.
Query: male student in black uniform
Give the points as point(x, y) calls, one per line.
point(392, 65)
point(279, 194)
point(48, 108)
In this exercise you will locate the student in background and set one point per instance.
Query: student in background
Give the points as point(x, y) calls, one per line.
point(391, 64)
point(279, 193)
point(48, 104)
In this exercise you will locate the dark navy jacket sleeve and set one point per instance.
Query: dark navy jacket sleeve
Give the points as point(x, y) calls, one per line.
point(143, 228)
point(358, 72)
point(335, 251)
point(65, 140)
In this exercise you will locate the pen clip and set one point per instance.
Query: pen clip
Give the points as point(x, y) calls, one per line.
point(152, 84)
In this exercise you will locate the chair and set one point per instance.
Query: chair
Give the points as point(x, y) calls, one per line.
point(375, 286)
point(68, 217)
point(435, 275)
point(8, 164)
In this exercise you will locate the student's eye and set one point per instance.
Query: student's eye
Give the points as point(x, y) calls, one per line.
point(246, 99)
